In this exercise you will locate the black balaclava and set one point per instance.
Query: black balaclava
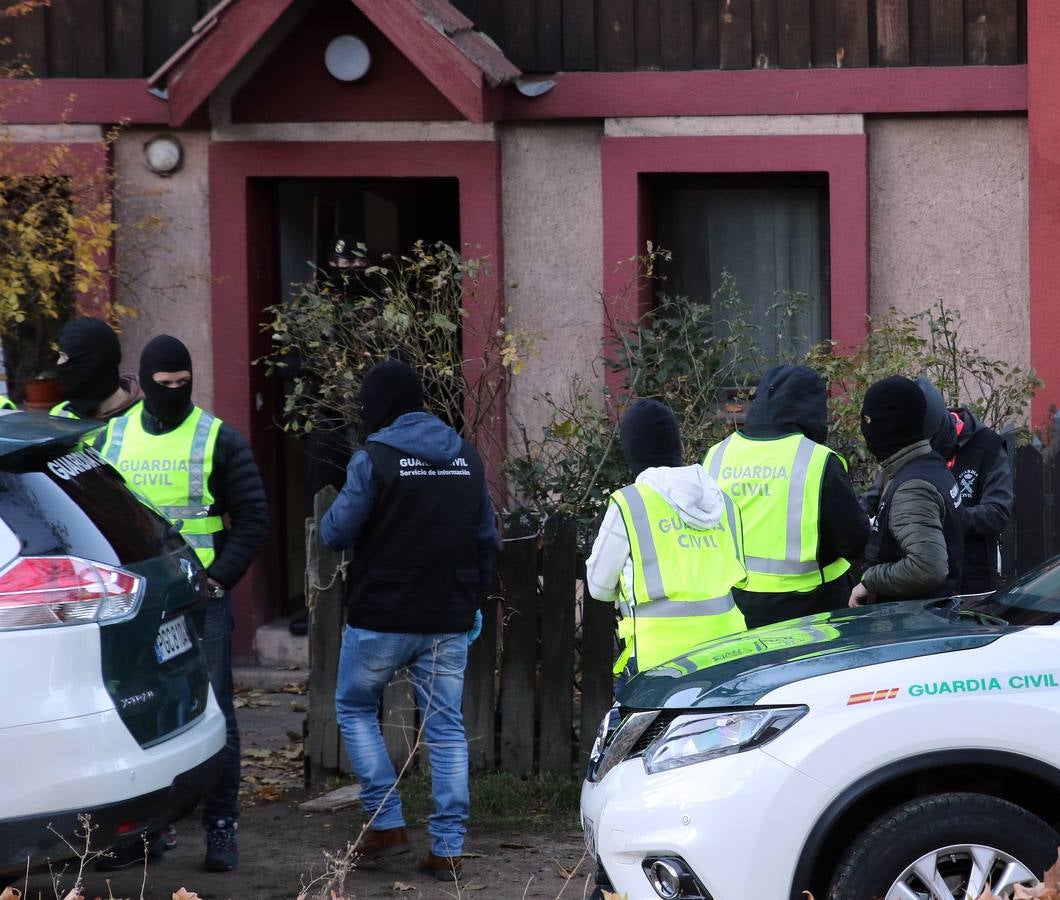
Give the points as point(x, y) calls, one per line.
point(389, 390)
point(90, 374)
point(892, 416)
point(938, 423)
point(165, 354)
point(348, 282)
point(650, 436)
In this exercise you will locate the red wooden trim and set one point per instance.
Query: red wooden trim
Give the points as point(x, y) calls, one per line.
point(844, 158)
point(430, 51)
point(1043, 138)
point(100, 101)
point(775, 92)
point(477, 167)
point(212, 58)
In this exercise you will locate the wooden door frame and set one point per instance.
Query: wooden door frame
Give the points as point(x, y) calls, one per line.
point(243, 260)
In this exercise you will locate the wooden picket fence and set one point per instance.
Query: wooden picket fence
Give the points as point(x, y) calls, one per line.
point(1034, 534)
point(538, 678)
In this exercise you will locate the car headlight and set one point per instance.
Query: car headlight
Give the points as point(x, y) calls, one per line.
point(695, 737)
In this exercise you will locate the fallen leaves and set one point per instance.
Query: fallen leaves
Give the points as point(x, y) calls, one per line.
point(185, 894)
point(252, 698)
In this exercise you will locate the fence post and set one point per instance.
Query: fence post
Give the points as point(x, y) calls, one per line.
point(479, 679)
point(1007, 540)
point(597, 658)
point(1031, 513)
point(560, 572)
point(326, 615)
point(519, 659)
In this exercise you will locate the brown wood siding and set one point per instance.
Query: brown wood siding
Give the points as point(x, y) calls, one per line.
point(100, 38)
point(131, 38)
point(743, 34)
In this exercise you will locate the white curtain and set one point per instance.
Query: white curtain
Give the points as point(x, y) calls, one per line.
point(769, 237)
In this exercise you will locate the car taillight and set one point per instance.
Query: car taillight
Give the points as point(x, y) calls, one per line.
point(39, 591)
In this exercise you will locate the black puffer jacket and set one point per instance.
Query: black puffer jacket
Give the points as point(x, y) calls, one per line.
point(239, 494)
point(790, 400)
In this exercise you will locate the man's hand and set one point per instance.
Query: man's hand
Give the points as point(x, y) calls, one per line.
point(860, 596)
point(476, 628)
point(215, 589)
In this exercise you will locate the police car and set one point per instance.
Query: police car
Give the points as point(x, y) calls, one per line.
point(107, 709)
point(905, 751)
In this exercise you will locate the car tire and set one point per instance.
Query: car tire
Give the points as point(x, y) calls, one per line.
point(892, 844)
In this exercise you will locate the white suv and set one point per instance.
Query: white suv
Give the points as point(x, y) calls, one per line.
point(906, 751)
point(107, 708)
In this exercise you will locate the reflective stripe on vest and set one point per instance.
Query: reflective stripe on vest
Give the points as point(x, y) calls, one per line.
point(61, 409)
point(171, 471)
point(777, 485)
point(683, 576)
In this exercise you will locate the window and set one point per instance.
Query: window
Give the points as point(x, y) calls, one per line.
point(770, 232)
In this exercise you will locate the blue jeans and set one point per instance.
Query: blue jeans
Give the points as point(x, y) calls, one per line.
point(436, 665)
point(223, 799)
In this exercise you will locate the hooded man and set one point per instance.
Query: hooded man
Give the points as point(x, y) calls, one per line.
point(917, 545)
point(89, 357)
point(938, 429)
point(802, 523)
point(197, 469)
point(981, 468)
point(669, 549)
point(416, 511)
point(978, 458)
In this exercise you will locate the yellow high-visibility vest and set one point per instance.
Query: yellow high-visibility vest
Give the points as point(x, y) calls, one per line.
point(5, 403)
point(61, 409)
point(681, 594)
point(171, 470)
point(777, 483)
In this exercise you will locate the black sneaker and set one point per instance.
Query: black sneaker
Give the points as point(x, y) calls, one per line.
point(131, 854)
point(222, 855)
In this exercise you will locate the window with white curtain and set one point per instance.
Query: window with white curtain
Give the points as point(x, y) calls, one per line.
point(769, 231)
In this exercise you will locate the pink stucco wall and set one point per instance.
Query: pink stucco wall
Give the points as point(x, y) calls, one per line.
point(163, 252)
point(948, 200)
point(553, 260)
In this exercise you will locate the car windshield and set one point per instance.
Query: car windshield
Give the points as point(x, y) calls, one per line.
point(1033, 600)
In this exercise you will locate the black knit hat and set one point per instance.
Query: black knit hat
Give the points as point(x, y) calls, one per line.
point(892, 416)
point(650, 436)
point(389, 390)
point(90, 373)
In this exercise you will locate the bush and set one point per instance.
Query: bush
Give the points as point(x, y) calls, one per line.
point(705, 368)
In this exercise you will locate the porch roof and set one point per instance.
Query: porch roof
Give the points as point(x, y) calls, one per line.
point(439, 40)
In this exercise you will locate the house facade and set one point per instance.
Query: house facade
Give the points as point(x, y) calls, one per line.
point(868, 155)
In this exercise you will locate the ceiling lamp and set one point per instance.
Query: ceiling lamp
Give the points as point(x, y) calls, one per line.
point(347, 58)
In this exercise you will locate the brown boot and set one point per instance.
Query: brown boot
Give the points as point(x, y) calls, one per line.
point(444, 868)
point(378, 844)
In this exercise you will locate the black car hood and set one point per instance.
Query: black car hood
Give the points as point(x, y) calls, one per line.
point(740, 669)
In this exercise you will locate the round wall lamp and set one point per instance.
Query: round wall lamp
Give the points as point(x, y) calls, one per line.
point(347, 58)
point(163, 154)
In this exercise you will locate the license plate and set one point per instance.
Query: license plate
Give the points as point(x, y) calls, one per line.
point(172, 639)
point(590, 837)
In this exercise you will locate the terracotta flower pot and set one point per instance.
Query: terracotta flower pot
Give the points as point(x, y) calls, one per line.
point(44, 392)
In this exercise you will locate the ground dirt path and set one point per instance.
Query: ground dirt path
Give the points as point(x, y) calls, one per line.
point(281, 846)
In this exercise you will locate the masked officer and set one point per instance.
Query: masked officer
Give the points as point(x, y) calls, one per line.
point(197, 469)
point(802, 523)
point(668, 549)
point(416, 510)
point(917, 548)
point(89, 358)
